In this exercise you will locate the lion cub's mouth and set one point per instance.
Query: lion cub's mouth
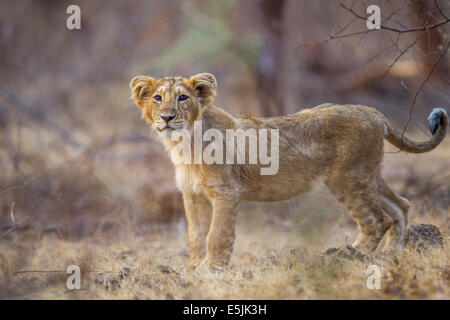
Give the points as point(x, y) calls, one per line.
point(164, 128)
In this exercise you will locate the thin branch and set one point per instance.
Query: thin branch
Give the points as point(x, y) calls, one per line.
point(440, 10)
point(436, 62)
point(15, 225)
point(400, 24)
point(379, 53)
point(338, 35)
point(39, 271)
point(17, 187)
point(392, 14)
point(62, 271)
point(415, 29)
point(333, 37)
point(345, 27)
point(361, 39)
point(402, 52)
point(13, 219)
point(426, 56)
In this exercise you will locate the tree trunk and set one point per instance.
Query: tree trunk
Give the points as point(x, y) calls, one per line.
point(432, 43)
point(269, 64)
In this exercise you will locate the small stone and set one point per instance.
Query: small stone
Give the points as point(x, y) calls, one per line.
point(140, 296)
point(164, 269)
point(330, 251)
point(125, 272)
point(247, 274)
point(183, 283)
point(109, 282)
point(169, 296)
point(424, 236)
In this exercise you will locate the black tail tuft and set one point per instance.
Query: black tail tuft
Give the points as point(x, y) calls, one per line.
point(434, 119)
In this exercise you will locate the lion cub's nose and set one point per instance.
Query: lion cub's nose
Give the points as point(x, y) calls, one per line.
point(167, 118)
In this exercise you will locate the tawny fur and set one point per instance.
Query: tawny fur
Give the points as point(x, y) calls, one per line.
point(341, 145)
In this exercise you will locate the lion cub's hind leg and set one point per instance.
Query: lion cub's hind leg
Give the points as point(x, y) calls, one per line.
point(397, 207)
point(361, 200)
point(373, 222)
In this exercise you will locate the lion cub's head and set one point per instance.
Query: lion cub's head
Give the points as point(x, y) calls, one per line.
point(173, 103)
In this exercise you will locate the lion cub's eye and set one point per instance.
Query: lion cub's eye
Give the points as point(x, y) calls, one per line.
point(157, 98)
point(183, 97)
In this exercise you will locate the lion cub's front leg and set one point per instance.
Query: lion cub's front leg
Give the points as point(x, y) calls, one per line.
point(220, 239)
point(198, 214)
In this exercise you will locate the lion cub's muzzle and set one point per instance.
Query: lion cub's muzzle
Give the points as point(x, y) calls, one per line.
point(164, 124)
point(171, 122)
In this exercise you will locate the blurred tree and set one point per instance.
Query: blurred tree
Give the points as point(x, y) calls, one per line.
point(426, 12)
point(269, 63)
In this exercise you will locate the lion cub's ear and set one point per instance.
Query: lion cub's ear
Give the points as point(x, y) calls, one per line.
point(205, 85)
point(141, 89)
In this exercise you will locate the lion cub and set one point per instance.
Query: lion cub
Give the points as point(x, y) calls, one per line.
point(341, 145)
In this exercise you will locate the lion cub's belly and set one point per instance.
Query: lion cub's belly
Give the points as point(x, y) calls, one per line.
point(287, 184)
point(278, 188)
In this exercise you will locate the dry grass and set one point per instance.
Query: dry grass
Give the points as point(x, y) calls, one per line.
point(153, 266)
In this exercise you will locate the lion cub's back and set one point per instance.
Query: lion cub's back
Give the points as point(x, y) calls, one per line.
point(333, 130)
point(330, 119)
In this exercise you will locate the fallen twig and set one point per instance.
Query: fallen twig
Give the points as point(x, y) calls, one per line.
point(17, 187)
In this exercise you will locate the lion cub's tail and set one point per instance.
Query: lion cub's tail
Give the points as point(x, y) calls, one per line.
point(437, 123)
